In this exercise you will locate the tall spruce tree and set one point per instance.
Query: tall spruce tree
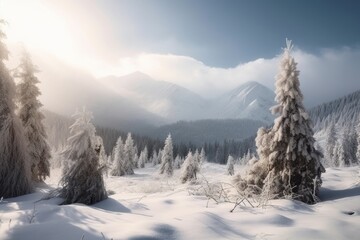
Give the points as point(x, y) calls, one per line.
point(129, 155)
point(330, 145)
point(289, 162)
point(118, 162)
point(32, 117)
point(167, 158)
point(15, 173)
point(82, 181)
point(230, 165)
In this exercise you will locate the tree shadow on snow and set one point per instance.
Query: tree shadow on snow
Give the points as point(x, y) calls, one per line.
point(327, 194)
point(162, 232)
point(112, 205)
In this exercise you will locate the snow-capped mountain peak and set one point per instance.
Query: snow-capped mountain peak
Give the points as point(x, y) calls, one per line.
point(249, 100)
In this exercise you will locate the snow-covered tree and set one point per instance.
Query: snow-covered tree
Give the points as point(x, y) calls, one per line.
point(177, 162)
point(330, 144)
point(15, 173)
point(189, 168)
point(350, 146)
point(230, 165)
point(286, 151)
point(118, 152)
point(32, 117)
point(167, 158)
point(129, 154)
point(143, 157)
point(203, 157)
point(82, 181)
point(154, 158)
point(338, 154)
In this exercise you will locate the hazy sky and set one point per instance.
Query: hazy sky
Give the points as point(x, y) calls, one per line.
point(208, 46)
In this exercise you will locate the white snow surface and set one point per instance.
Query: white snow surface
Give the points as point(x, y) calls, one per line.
point(149, 206)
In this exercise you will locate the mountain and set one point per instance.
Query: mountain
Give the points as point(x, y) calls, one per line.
point(164, 99)
point(173, 102)
point(343, 112)
point(65, 89)
point(250, 100)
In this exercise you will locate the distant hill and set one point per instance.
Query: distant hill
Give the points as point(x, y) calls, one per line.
point(343, 112)
point(175, 103)
point(201, 131)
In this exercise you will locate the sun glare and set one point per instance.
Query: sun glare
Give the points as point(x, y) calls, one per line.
point(38, 27)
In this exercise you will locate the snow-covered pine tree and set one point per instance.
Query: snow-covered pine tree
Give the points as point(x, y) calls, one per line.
point(230, 165)
point(15, 173)
point(136, 158)
point(330, 144)
point(203, 158)
point(118, 152)
point(338, 154)
point(129, 154)
point(177, 162)
point(143, 157)
point(288, 159)
point(189, 168)
point(154, 158)
point(82, 182)
point(167, 158)
point(32, 117)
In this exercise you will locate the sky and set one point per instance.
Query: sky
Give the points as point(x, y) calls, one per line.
point(207, 46)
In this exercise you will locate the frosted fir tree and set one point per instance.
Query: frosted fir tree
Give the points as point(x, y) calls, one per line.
point(129, 154)
point(136, 158)
point(338, 154)
point(330, 144)
point(15, 173)
point(289, 164)
point(118, 162)
point(177, 162)
point(144, 155)
point(167, 158)
point(82, 182)
point(99, 146)
point(350, 146)
point(154, 158)
point(230, 165)
point(189, 168)
point(31, 117)
point(203, 157)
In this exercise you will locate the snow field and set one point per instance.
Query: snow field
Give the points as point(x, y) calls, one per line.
point(150, 206)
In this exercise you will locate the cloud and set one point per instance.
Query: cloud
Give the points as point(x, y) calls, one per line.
point(328, 75)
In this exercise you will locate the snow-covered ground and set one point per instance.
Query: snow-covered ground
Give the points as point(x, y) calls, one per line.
point(149, 206)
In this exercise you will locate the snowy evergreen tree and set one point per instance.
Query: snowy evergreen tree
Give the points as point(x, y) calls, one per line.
point(143, 157)
point(338, 154)
point(177, 162)
point(31, 118)
point(15, 172)
point(203, 158)
point(349, 147)
point(159, 156)
point(129, 154)
point(330, 144)
point(154, 158)
point(82, 182)
point(230, 165)
point(189, 168)
point(118, 152)
point(288, 159)
point(167, 158)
